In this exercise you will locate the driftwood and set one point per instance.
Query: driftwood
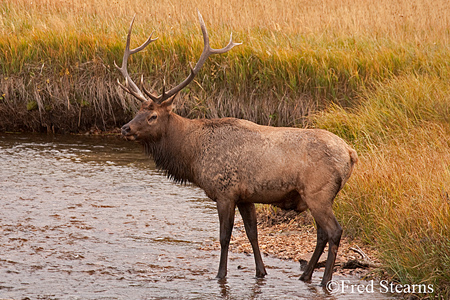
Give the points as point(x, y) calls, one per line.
point(357, 263)
point(364, 263)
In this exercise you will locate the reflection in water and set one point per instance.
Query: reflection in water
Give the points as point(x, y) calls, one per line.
point(224, 287)
point(90, 218)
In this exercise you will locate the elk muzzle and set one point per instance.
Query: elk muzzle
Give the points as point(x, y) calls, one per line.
point(126, 132)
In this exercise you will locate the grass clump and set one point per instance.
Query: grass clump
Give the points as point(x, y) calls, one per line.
point(391, 110)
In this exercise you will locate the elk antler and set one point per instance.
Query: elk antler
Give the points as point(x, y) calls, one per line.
point(207, 51)
point(132, 88)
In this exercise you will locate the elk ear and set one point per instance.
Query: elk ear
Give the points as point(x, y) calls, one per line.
point(168, 104)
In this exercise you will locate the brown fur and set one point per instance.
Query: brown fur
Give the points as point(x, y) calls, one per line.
point(239, 163)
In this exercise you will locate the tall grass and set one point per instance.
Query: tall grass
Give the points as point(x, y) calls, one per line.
point(398, 199)
point(376, 73)
point(398, 202)
point(295, 57)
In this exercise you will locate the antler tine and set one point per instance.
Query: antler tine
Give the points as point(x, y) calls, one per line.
point(149, 94)
point(130, 91)
point(207, 51)
point(130, 86)
point(227, 48)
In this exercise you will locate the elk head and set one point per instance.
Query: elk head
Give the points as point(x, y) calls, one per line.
point(150, 122)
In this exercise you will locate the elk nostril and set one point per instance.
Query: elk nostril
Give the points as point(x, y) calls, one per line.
point(126, 129)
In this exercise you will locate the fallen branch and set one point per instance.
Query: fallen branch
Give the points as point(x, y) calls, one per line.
point(363, 263)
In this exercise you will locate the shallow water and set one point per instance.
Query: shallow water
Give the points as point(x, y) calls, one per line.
point(90, 218)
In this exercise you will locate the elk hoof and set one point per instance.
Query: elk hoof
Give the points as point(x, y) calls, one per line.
point(305, 278)
point(221, 276)
point(261, 274)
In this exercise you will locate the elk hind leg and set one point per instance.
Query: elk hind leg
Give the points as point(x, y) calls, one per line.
point(328, 231)
point(322, 239)
point(248, 213)
point(334, 238)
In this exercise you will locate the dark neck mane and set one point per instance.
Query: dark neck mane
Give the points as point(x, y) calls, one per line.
point(170, 163)
point(169, 157)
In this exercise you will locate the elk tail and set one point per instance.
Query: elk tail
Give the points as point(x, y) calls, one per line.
point(353, 156)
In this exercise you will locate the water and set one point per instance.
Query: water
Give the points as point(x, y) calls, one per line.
point(90, 218)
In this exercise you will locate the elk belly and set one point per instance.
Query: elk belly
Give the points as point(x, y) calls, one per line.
point(284, 199)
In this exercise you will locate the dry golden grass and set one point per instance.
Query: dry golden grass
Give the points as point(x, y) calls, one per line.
point(296, 57)
point(398, 197)
point(423, 21)
point(398, 201)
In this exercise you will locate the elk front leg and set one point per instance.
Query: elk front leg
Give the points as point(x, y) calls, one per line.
point(226, 210)
point(248, 213)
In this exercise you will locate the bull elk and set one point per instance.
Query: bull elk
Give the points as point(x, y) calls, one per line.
point(239, 163)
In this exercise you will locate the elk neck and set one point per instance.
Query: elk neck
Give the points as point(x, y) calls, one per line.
point(175, 151)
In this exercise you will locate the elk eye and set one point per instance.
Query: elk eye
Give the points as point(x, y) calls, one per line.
point(152, 118)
